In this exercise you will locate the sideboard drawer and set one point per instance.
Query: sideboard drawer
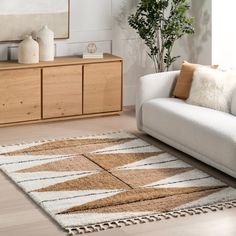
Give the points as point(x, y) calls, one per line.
point(20, 95)
point(102, 87)
point(62, 91)
point(66, 88)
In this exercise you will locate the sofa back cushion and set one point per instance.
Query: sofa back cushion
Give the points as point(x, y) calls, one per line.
point(233, 103)
point(212, 89)
point(185, 78)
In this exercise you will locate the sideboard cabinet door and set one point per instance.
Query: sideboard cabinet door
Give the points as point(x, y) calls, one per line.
point(20, 95)
point(62, 91)
point(102, 87)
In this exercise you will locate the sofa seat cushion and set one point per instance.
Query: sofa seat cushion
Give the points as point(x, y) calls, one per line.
point(208, 132)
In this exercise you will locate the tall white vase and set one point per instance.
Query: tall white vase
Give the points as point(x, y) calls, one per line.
point(46, 44)
point(28, 52)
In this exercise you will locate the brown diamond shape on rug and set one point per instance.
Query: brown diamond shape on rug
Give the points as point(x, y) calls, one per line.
point(109, 161)
point(78, 163)
point(102, 180)
point(143, 199)
point(73, 146)
point(140, 177)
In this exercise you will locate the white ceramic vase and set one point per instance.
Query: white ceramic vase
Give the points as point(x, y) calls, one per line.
point(46, 44)
point(28, 52)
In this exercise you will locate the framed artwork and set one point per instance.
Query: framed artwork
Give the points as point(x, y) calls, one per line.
point(21, 17)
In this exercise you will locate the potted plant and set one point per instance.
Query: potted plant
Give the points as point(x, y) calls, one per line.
point(160, 23)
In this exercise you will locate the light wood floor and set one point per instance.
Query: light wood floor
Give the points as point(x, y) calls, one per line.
point(19, 216)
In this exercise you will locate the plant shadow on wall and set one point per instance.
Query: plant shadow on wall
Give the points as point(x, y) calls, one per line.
point(202, 30)
point(160, 23)
point(137, 62)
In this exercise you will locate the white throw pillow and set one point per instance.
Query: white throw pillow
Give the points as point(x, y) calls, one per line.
point(233, 104)
point(212, 89)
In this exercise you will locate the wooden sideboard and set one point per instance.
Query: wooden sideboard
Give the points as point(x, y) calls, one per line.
point(67, 88)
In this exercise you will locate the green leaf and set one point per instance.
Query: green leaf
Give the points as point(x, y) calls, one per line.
point(160, 23)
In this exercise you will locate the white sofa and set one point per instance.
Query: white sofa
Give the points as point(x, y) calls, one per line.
point(206, 134)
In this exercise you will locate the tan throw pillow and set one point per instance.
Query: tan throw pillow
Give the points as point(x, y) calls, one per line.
point(184, 81)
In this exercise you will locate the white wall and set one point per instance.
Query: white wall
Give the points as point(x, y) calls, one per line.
point(197, 48)
point(127, 44)
point(105, 22)
point(224, 33)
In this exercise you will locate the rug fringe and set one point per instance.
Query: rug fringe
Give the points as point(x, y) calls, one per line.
point(149, 218)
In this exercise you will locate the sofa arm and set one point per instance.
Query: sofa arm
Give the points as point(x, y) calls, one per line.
point(159, 85)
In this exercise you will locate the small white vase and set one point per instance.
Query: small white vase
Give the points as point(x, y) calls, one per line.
point(28, 52)
point(46, 44)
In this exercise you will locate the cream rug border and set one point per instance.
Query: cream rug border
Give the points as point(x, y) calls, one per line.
point(128, 221)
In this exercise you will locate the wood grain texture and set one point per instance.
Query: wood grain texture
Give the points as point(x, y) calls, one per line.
point(20, 95)
point(59, 61)
point(51, 120)
point(62, 88)
point(102, 87)
point(62, 91)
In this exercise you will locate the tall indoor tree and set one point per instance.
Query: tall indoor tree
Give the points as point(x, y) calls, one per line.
point(160, 23)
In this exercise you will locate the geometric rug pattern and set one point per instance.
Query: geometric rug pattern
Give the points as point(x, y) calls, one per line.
point(98, 182)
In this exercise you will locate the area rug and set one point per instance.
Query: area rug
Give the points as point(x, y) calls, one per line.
point(93, 183)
